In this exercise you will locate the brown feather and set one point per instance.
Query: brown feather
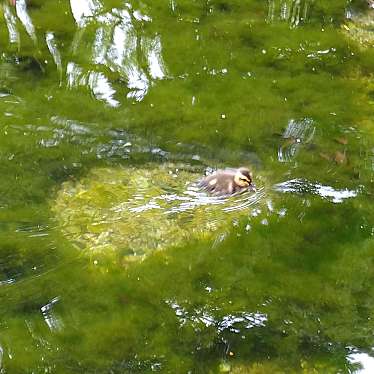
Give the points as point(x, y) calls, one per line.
point(222, 182)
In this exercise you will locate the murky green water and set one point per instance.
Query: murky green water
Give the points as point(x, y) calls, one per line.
point(285, 87)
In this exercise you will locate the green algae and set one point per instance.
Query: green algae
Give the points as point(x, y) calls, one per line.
point(136, 211)
point(308, 271)
point(360, 28)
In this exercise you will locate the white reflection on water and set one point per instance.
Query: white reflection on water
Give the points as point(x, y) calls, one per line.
point(152, 48)
point(366, 362)
point(52, 46)
point(231, 322)
point(53, 322)
point(317, 55)
point(123, 56)
point(84, 9)
point(7, 281)
point(120, 45)
point(101, 88)
point(96, 81)
point(64, 130)
point(75, 75)
point(24, 17)
point(292, 11)
point(11, 23)
point(297, 133)
point(123, 48)
point(103, 39)
point(191, 199)
point(141, 17)
point(303, 186)
point(247, 201)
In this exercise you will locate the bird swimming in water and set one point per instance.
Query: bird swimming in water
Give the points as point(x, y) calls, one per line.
point(228, 182)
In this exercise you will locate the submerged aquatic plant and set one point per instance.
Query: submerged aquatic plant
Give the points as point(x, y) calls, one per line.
point(135, 211)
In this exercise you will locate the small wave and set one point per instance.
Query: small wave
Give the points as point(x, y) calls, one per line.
point(302, 186)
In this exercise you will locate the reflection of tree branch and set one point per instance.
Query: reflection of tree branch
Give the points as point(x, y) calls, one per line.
point(121, 44)
point(23, 16)
point(292, 11)
point(11, 23)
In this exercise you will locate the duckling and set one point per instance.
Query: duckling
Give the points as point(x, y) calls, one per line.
point(228, 182)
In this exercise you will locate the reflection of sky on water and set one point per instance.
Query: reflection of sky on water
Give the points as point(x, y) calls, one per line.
point(232, 322)
point(21, 9)
point(303, 186)
point(292, 11)
point(119, 44)
point(11, 23)
point(84, 9)
point(154, 57)
point(53, 322)
point(52, 47)
point(96, 81)
point(364, 360)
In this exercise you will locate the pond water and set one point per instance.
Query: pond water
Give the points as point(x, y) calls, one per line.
point(284, 87)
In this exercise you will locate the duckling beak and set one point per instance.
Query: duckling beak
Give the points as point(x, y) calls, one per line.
point(252, 187)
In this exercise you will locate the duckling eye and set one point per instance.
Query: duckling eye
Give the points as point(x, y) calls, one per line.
point(246, 180)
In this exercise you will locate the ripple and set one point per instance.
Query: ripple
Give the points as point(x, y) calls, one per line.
point(11, 22)
point(52, 321)
point(295, 135)
point(231, 322)
point(137, 210)
point(295, 12)
point(302, 186)
point(22, 13)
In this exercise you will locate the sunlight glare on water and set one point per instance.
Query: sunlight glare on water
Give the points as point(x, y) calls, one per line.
point(365, 361)
point(326, 192)
point(112, 259)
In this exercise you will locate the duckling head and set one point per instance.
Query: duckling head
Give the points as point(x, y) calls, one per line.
point(243, 178)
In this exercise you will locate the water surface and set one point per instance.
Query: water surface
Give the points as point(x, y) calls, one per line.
point(282, 86)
